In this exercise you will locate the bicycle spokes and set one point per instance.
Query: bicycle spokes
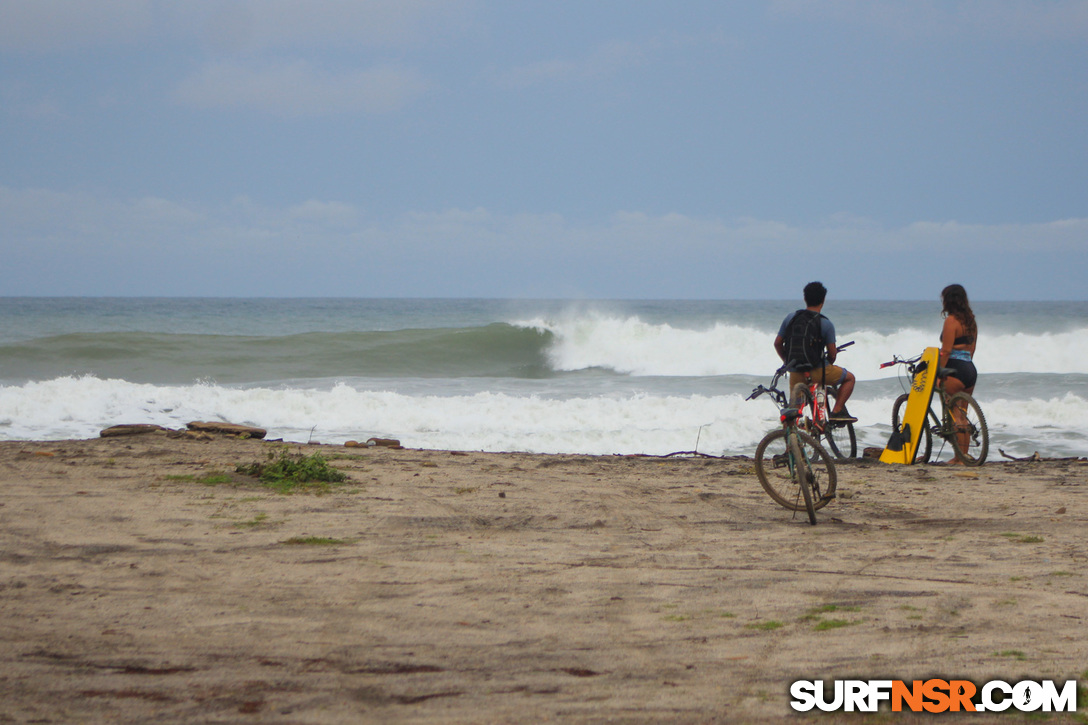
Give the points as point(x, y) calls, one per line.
point(778, 475)
point(969, 436)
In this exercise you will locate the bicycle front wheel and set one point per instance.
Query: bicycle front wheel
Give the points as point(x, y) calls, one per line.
point(970, 437)
point(925, 442)
point(779, 478)
point(803, 474)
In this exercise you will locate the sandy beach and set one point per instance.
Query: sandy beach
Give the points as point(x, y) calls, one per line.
point(464, 587)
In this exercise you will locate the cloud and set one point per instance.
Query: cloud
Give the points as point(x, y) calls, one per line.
point(60, 243)
point(994, 18)
point(243, 25)
point(43, 220)
point(84, 218)
point(332, 214)
point(228, 25)
point(611, 58)
point(65, 25)
point(300, 89)
point(19, 100)
point(604, 61)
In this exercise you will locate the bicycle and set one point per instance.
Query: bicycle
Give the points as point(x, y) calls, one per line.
point(840, 435)
point(816, 402)
point(970, 439)
point(792, 466)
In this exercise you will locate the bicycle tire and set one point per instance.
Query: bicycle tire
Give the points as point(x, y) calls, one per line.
point(799, 395)
point(842, 441)
point(804, 474)
point(978, 441)
point(925, 443)
point(932, 428)
point(778, 481)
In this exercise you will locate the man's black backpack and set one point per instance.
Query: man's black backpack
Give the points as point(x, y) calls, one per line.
point(804, 340)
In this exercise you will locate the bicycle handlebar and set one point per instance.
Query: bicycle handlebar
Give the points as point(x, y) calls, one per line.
point(779, 396)
point(914, 367)
point(896, 360)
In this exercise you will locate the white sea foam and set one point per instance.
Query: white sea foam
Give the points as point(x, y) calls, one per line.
point(631, 346)
point(648, 423)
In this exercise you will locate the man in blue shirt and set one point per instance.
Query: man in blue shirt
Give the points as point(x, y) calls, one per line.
point(808, 347)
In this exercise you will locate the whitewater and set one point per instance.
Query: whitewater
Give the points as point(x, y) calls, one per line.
point(601, 377)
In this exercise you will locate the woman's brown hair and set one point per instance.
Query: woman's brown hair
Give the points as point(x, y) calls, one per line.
point(954, 301)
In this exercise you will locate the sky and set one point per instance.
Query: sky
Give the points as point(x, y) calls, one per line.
point(582, 149)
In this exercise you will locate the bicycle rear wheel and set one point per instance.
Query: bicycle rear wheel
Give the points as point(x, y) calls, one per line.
point(841, 439)
point(925, 443)
point(776, 475)
point(799, 395)
point(970, 437)
point(842, 442)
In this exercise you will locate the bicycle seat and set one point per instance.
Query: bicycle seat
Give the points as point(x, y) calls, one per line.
point(791, 414)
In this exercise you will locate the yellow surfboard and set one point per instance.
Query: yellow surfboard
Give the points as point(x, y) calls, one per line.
point(904, 442)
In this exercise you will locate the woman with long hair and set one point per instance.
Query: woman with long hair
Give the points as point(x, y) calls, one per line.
point(958, 338)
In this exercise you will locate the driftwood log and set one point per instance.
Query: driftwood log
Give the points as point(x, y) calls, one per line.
point(235, 429)
point(130, 429)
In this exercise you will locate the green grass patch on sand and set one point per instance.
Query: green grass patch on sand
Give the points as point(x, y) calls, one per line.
point(816, 613)
point(314, 541)
point(767, 626)
point(258, 520)
point(292, 472)
point(1013, 653)
point(826, 624)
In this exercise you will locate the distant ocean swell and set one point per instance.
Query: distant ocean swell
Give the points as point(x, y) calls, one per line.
point(498, 350)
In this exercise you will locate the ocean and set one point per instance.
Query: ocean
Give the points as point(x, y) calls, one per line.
point(547, 376)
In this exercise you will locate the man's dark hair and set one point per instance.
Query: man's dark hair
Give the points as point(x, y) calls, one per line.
point(815, 293)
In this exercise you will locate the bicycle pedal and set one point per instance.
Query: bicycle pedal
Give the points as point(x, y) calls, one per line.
point(828, 497)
